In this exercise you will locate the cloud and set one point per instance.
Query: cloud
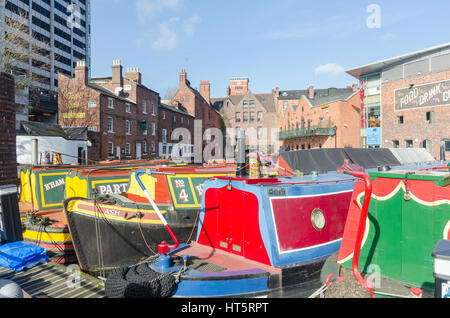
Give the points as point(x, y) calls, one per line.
point(148, 8)
point(167, 39)
point(332, 69)
point(190, 24)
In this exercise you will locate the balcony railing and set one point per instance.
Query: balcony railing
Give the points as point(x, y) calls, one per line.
point(306, 132)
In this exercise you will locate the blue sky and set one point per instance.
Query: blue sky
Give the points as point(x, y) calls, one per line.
point(290, 43)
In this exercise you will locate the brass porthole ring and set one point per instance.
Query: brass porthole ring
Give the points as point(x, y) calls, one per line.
point(318, 219)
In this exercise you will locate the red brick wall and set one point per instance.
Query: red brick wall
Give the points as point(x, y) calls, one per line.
point(415, 125)
point(169, 124)
point(99, 117)
point(342, 114)
point(8, 157)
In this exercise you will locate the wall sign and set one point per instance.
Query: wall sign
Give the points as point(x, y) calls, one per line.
point(428, 95)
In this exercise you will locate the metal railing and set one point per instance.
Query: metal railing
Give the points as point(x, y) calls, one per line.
point(305, 132)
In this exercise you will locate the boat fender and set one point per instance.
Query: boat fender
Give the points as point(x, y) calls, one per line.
point(9, 289)
point(139, 282)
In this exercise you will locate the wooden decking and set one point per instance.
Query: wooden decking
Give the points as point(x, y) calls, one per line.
point(52, 280)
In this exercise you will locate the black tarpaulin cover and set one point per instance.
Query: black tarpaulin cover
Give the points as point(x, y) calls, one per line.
point(315, 160)
point(330, 159)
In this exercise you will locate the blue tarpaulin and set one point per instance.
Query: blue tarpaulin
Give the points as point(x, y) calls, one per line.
point(20, 255)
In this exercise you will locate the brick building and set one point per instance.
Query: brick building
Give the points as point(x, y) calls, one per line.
point(318, 118)
point(198, 104)
point(8, 158)
point(254, 113)
point(121, 113)
point(238, 86)
point(170, 118)
point(408, 97)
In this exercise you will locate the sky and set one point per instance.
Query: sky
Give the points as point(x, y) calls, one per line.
point(289, 43)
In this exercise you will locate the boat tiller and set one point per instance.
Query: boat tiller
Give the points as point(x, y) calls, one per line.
point(163, 248)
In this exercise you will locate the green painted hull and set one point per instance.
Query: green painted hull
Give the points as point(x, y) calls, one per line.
point(407, 217)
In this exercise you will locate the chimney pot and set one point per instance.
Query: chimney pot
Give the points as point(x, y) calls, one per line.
point(311, 92)
point(82, 72)
point(117, 78)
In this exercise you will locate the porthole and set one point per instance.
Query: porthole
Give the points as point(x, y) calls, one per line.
point(318, 219)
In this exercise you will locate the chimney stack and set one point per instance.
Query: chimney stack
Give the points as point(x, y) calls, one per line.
point(134, 75)
point(117, 78)
point(205, 90)
point(82, 72)
point(311, 92)
point(183, 77)
point(355, 87)
point(277, 92)
point(228, 91)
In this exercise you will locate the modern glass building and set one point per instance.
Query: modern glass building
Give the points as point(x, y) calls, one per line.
point(407, 101)
point(61, 31)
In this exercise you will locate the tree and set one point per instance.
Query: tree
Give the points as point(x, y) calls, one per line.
point(169, 93)
point(73, 104)
point(19, 47)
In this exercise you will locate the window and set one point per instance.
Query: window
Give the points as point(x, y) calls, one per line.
point(128, 108)
point(164, 136)
point(128, 149)
point(429, 117)
point(164, 115)
point(181, 119)
point(260, 117)
point(153, 109)
point(110, 125)
point(252, 117)
point(127, 127)
point(110, 103)
point(409, 143)
point(245, 103)
point(252, 104)
point(153, 147)
point(144, 107)
point(447, 145)
point(93, 128)
point(92, 104)
point(396, 143)
point(144, 147)
point(153, 129)
point(245, 117)
point(400, 119)
point(174, 118)
point(259, 132)
point(238, 117)
point(426, 144)
point(110, 148)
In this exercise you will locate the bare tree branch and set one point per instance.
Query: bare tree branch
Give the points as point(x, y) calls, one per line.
point(19, 47)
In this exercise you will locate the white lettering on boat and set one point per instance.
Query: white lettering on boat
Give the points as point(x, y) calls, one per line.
point(112, 212)
point(54, 184)
point(113, 189)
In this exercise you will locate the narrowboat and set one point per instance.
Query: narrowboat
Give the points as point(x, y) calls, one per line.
point(43, 189)
point(396, 221)
point(255, 237)
point(112, 230)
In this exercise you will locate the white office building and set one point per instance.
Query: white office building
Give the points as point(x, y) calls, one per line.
point(61, 28)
